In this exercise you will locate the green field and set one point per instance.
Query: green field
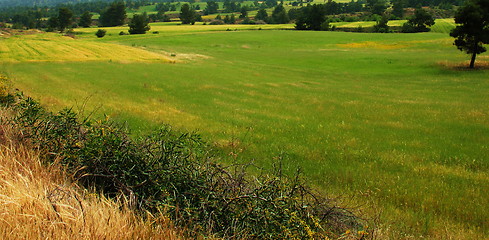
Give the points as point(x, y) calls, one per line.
point(389, 121)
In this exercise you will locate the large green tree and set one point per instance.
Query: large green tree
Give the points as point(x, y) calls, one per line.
point(65, 18)
point(212, 7)
point(85, 19)
point(381, 25)
point(262, 15)
point(114, 15)
point(311, 17)
point(421, 21)
point(279, 15)
point(377, 6)
point(473, 30)
point(139, 24)
point(187, 14)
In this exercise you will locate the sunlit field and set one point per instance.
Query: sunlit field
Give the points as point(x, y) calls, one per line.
point(389, 121)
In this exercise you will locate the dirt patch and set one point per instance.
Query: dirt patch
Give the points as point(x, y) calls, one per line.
point(7, 32)
point(182, 57)
point(374, 45)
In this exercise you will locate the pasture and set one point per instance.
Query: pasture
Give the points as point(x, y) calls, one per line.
point(390, 121)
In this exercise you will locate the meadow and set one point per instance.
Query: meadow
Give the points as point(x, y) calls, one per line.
point(391, 122)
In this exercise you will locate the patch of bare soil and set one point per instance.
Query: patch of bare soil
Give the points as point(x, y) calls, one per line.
point(7, 32)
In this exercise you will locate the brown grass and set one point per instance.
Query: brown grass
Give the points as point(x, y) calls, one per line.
point(480, 64)
point(40, 202)
point(371, 45)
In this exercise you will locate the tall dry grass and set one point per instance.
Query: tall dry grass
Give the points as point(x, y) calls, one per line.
point(40, 202)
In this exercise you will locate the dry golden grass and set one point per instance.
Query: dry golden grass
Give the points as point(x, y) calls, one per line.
point(372, 45)
point(480, 63)
point(56, 48)
point(40, 202)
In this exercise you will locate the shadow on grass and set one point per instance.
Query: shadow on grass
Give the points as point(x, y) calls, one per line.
point(464, 66)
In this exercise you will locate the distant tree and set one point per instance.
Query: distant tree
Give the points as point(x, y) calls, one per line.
point(244, 12)
point(29, 19)
point(311, 17)
point(212, 7)
point(230, 19)
point(279, 15)
point(85, 19)
point(139, 24)
point(377, 6)
point(421, 21)
point(114, 15)
point(231, 6)
point(473, 29)
point(65, 18)
point(52, 23)
point(187, 14)
point(381, 25)
point(270, 3)
point(261, 15)
point(100, 33)
point(293, 13)
point(398, 8)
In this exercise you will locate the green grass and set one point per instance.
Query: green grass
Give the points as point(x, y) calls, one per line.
point(383, 118)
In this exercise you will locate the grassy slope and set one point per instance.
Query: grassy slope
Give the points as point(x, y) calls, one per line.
point(40, 202)
point(379, 116)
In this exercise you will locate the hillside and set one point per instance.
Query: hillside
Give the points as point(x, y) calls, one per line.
point(392, 121)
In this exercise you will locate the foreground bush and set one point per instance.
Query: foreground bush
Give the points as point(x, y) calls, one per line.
point(175, 173)
point(41, 202)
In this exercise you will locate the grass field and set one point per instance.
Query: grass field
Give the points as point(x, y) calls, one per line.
point(388, 120)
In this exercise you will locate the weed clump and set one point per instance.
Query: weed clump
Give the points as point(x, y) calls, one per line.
point(176, 173)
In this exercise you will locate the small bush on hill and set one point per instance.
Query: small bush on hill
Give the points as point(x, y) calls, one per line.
point(216, 22)
point(100, 33)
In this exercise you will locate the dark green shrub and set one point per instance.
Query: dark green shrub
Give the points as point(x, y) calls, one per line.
point(100, 33)
point(176, 173)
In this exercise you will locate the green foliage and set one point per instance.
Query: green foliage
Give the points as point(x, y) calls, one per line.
point(230, 19)
point(377, 6)
point(85, 19)
point(174, 172)
point(139, 24)
point(261, 15)
point(244, 12)
point(100, 33)
point(114, 15)
point(421, 21)
point(65, 16)
point(52, 23)
point(398, 8)
point(381, 25)
point(279, 15)
point(293, 13)
point(187, 14)
point(473, 29)
point(211, 8)
point(311, 17)
point(270, 3)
